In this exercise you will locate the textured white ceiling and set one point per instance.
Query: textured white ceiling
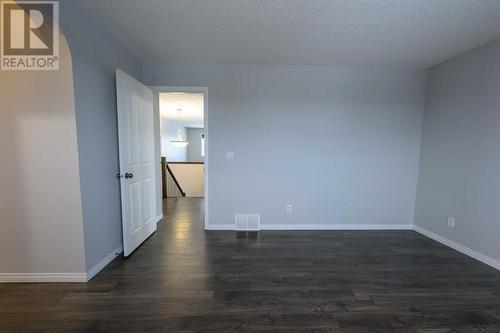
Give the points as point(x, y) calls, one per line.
point(407, 33)
point(191, 105)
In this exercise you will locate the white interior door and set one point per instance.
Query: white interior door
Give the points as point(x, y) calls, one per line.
point(137, 160)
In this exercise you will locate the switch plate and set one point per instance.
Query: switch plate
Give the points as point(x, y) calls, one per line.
point(229, 155)
point(289, 209)
point(451, 221)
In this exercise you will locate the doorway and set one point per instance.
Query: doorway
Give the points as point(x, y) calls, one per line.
point(182, 147)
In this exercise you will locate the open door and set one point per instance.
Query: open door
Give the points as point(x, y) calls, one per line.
point(137, 160)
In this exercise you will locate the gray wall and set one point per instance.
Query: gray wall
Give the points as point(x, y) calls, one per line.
point(459, 172)
point(194, 146)
point(280, 121)
point(96, 55)
point(40, 205)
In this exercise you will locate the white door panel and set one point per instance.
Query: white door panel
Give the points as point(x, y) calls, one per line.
point(137, 167)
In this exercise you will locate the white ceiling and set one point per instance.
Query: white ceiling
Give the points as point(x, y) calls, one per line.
point(191, 104)
point(407, 33)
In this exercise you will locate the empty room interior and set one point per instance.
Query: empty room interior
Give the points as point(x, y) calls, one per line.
point(250, 166)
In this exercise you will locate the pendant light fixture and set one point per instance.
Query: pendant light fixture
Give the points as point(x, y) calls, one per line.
point(179, 142)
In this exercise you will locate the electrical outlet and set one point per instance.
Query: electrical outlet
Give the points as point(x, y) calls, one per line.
point(229, 155)
point(451, 221)
point(289, 209)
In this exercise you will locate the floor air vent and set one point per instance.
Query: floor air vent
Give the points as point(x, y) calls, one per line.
point(247, 222)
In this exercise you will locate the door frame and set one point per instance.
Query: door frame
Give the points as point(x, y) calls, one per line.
point(203, 90)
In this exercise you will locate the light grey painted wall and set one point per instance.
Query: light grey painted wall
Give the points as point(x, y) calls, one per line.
point(280, 121)
point(40, 206)
point(194, 147)
point(459, 172)
point(96, 55)
point(168, 130)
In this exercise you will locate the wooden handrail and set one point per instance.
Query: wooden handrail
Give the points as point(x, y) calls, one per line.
point(175, 180)
point(164, 177)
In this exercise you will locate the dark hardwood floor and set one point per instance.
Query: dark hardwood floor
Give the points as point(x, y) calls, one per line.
point(184, 279)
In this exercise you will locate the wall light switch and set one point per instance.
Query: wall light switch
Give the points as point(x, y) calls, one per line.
point(229, 155)
point(289, 209)
point(451, 221)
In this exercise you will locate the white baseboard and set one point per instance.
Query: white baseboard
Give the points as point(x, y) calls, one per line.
point(103, 263)
point(42, 277)
point(336, 227)
point(159, 218)
point(220, 227)
point(61, 277)
point(459, 247)
point(318, 227)
point(84, 277)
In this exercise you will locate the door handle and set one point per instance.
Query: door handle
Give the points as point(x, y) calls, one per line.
point(129, 175)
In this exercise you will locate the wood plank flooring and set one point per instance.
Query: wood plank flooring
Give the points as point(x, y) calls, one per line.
point(184, 279)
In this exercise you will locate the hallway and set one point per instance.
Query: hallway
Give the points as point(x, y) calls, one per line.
point(184, 279)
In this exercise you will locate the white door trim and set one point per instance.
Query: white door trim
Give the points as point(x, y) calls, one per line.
point(204, 91)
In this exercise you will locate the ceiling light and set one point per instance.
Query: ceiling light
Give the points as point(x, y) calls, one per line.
point(179, 142)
